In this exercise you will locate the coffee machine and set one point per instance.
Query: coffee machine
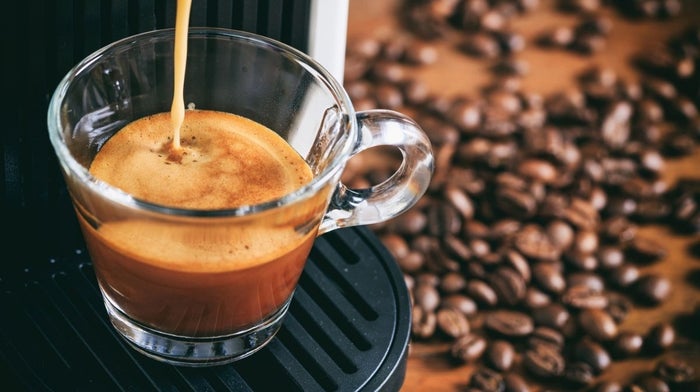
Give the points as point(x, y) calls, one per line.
point(349, 323)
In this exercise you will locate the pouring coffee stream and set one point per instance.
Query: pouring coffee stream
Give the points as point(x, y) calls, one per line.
point(177, 110)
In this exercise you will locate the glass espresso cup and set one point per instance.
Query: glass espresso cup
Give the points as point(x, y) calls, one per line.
point(171, 284)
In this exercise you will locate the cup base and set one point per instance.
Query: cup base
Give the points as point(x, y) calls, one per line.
point(195, 351)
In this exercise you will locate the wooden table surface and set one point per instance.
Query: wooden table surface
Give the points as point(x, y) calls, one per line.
point(428, 367)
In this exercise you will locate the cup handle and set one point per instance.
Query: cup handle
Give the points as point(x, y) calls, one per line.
point(398, 193)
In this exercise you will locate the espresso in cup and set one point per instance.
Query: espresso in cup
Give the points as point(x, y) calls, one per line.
point(201, 280)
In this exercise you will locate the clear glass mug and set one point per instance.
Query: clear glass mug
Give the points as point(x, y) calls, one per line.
point(161, 292)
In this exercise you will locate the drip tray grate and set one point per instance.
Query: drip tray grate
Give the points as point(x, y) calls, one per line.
point(347, 329)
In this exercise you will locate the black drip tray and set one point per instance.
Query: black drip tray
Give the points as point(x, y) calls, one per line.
point(347, 329)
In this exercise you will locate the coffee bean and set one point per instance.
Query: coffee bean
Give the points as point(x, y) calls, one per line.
point(481, 45)
point(676, 372)
point(427, 297)
point(535, 298)
point(591, 280)
point(461, 303)
point(543, 362)
point(452, 323)
point(584, 297)
point(468, 348)
point(487, 380)
point(396, 245)
point(660, 337)
point(649, 383)
point(423, 322)
point(619, 306)
point(598, 324)
point(578, 374)
point(624, 276)
point(509, 323)
point(610, 257)
point(553, 315)
point(593, 354)
point(627, 344)
point(500, 355)
point(452, 282)
point(608, 386)
point(516, 261)
point(546, 336)
point(561, 234)
point(652, 289)
point(481, 292)
point(421, 53)
point(515, 383)
point(534, 243)
point(508, 284)
point(549, 277)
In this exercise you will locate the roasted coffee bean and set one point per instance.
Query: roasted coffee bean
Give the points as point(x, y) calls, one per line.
point(486, 380)
point(515, 202)
point(586, 278)
point(549, 277)
point(411, 262)
point(423, 322)
point(581, 260)
point(500, 354)
point(649, 383)
point(481, 292)
point(652, 289)
point(421, 53)
point(515, 383)
point(457, 247)
point(544, 362)
point(411, 222)
point(415, 91)
point(578, 374)
point(619, 306)
point(610, 257)
point(427, 296)
point(553, 315)
point(517, 262)
point(427, 278)
point(468, 348)
point(598, 324)
point(443, 219)
point(584, 297)
point(509, 323)
point(546, 336)
point(660, 337)
point(624, 276)
point(619, 229)
point(593, 354)
point(608, 386)
point(534, 243)
point(675, 371)
point(508, 284)
point(452, 323)
point(460, 200)
point(452, 282)
point(396, 245)
point(482, 45)
point(535, 298)
point(461, 303)
point(627, 344)
point(561, 234)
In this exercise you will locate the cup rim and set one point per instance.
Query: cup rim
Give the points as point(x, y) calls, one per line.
point(72, 167)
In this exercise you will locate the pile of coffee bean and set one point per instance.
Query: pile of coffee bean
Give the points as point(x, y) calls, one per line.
point(525, 254)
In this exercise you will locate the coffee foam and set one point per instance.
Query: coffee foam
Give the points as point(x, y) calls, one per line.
point(227, 161)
